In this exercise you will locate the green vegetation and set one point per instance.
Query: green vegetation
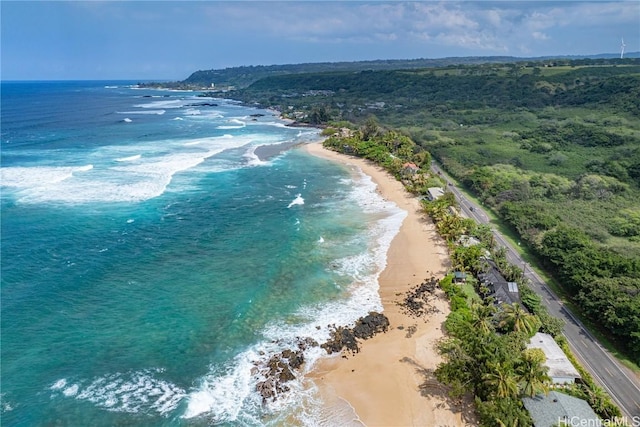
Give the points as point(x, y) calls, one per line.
point(241, 77)
point(552, 147)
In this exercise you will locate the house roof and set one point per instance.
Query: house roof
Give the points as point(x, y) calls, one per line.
point(502, 294)
point(410, 165)
point(554, 408)
point(435, 192)
point(559, 365)
point(502, 291)
point(467, 241)
point(459, 275)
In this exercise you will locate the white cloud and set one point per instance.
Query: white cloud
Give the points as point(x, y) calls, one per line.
point(539, 35)
point(473, 41)
point(495, 27)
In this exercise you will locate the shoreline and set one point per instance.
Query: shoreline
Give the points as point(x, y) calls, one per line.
point(384, 384)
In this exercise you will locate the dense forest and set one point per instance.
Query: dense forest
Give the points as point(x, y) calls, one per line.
point(552, 147)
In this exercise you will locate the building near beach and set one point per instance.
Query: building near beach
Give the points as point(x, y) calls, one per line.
point(559, 409)
point(561, 370)
point(410, 169)
point(434, 193)
point(502, 291)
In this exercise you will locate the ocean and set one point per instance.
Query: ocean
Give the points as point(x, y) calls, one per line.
point(159, 247)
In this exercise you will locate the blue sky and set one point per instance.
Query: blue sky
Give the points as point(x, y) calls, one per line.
point(170, 39)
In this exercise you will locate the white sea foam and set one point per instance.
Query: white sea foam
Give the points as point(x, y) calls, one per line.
point(71, 391)
point(224, 127)
point(157, 112)
point(177, 118)
point(234, 124)
point(129, 158)
point(208, 115)
point(131, 178)
point(297, 201)
point(276, 124)
point(58, 385)
point(83, 168)
point(252, 158)
point(38, 176)
point(222, 394)
point(127, 120)
point(130, 392)
point(166, 103)
point(5, 405)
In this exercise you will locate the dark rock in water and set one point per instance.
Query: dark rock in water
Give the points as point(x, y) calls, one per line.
point(307, 342)
point(202, 104)
point(279, 369)
point(266, 152)
point(266, 389)
point(256, 115)
point(296, 358)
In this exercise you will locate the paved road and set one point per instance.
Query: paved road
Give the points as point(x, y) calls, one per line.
point(615, 378)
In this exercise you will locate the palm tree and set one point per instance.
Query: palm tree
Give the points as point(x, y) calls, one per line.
point(482, 317)
point(599, 401)
point(451, 227)
point(517, 319)
point(514, 423)
point(532, 374)
point(502, 381)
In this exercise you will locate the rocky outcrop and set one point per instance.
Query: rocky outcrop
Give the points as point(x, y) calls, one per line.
point(418, 300)
point(347, 338)
point(280, 369)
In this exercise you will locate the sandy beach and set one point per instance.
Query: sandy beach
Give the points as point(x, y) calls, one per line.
point(386, 383)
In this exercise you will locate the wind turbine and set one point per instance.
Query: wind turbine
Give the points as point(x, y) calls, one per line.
point(622, 49)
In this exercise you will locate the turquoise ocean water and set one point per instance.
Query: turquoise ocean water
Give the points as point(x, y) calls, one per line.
point(151, 259)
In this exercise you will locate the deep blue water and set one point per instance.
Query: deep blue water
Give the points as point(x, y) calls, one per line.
point(150, 259)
